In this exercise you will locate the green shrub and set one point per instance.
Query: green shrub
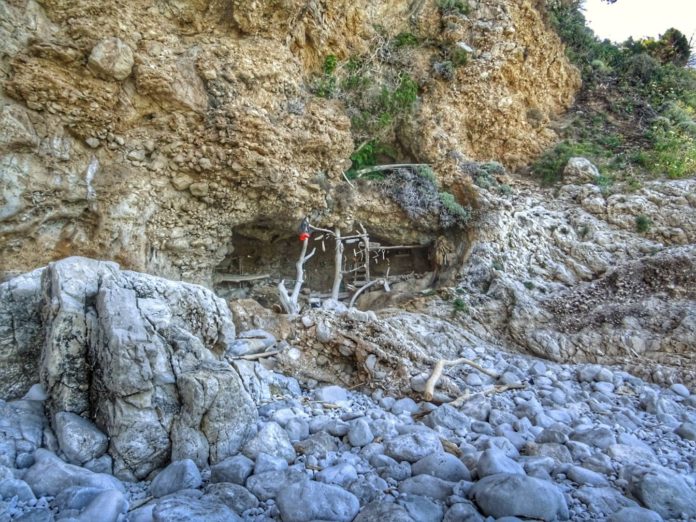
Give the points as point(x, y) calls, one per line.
point(604, 182)
point(459, 305)
point(405, 39)
point(636, 111)
point(460, 7)
point(460, 57)
point(427, 172)
point(673, 153)
point(326, 85)
point(419, 198)
point(549, 167)
point(367, 156)
point(454, 212)
point(643, 224)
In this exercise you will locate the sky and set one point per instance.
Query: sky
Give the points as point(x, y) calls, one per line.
point(640, 18)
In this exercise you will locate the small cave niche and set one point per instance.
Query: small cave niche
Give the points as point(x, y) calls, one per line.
point(260, 256)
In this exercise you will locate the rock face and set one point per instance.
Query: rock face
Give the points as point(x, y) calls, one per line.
point(20, 333)
point(133, 133)
point(142, 358)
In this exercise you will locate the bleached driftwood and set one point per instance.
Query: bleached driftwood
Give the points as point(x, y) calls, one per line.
point(289, 302)
point(437, 373)
point(498, 388)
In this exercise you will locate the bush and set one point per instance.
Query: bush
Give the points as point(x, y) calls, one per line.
point(458, 305)
point(460, 7)
point(418, 197)
point(643, 88)
point(549, 167)
point(405, 39)
point(643, 224)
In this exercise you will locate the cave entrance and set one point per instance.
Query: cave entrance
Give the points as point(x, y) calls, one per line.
point(260, 256)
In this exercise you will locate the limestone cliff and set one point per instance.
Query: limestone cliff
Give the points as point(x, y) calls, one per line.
point(148, 134)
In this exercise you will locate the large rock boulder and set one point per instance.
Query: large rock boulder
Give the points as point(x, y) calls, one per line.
point(140, 356)
point(20, 334)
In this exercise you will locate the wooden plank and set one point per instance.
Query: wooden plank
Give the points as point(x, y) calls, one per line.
point(233, 278)
point(397, 247)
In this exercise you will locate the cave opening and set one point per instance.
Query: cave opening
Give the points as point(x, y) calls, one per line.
point(261, 255)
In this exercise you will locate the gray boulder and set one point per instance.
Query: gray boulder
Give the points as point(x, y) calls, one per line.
point(49, 476)
point(662, 490)
point(273, 440)
point(182, 474)
point(635, 514)
point(311, 500)
point(428, 486)
point(21, 334)
point(78, 439)
point(15, 488)
point(107, 506)
point(448, 417)
point(444, 466)
point(360, 434)
point(603, 501)
point(463, 512)
point(191, 509)
point(233, 469)
point(232, 495)
point(142, 357)
point(21, 431)
point(413, 446)
point(508, 494)
point(341, 474)
point(493, 461)
point(421, 508)
point(384, 512)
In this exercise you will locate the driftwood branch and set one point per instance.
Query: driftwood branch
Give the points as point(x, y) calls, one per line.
point(338, 265)
point(440, 366)
point(255, 356)
point(365, 287)
point(290, 302)
point(379, 168)
point(498, 388)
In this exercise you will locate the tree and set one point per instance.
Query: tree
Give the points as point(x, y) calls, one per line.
point(672, 47)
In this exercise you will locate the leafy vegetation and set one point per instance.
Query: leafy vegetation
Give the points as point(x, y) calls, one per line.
point(643, 224)
point(459, 306)
point(460, 7)
point(635, 114)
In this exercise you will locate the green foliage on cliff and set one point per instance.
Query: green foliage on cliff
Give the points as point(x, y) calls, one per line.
point(634, 117)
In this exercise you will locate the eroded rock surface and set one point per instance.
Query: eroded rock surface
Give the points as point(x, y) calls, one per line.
point(148, 134)
point(140, 356)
